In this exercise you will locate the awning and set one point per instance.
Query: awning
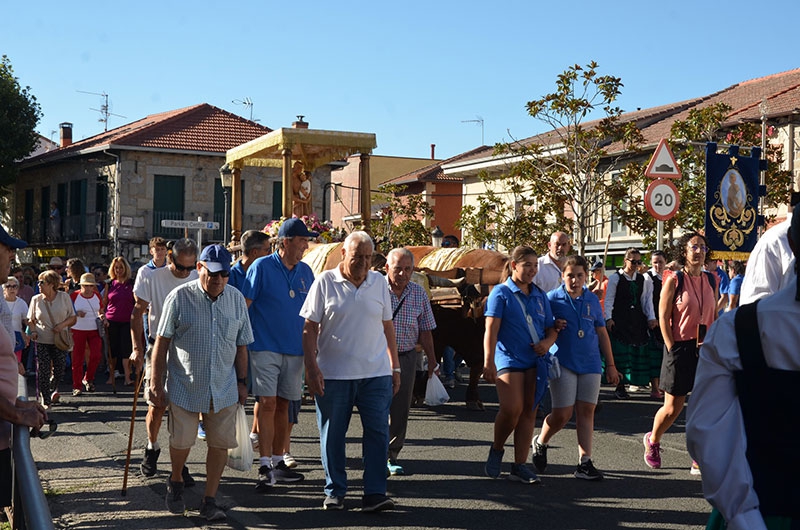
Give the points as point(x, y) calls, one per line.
point(314, 147)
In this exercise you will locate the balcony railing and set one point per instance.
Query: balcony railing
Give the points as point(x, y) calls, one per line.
point(71, 228)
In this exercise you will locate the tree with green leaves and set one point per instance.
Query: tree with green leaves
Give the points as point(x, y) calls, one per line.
point(400, 222)
point(19, 116)
point(687, 141)
point(559, 179)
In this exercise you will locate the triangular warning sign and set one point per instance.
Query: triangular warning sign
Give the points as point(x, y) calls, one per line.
point(663, 164)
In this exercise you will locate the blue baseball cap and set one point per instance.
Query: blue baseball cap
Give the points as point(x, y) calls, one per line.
point(11, 242)
point(216, 258)
point(295, 227)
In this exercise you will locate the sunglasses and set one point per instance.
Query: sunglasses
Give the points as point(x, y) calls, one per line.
point(181, 268)
point(11, 286)
point(224, 274)
point(635, 261)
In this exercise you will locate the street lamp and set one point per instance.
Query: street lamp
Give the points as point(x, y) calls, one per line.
point(436, 237)
point(226, 176)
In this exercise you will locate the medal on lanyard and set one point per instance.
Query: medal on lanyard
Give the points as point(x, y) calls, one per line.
point(291, 293)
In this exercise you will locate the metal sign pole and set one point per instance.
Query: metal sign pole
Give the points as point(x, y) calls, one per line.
point(660, 235)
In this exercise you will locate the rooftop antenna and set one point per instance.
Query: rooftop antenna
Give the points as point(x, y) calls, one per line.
point(103, 110)
point(248, 104)
point(479, 121)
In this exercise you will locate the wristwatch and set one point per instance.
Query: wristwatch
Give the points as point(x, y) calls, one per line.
point(241, 380)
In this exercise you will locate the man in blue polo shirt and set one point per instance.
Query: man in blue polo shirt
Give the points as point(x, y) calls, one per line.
point(275, 288)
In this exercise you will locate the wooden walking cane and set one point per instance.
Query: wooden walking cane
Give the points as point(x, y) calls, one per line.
point(130, 433)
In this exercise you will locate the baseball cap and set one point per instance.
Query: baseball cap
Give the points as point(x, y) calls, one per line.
point(55, 261)
point(295, 227)
point(216, 258)
point(598, 265)
point(11, 242)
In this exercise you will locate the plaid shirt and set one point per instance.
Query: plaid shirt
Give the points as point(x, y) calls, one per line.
point(204, 335)
point(415, 315)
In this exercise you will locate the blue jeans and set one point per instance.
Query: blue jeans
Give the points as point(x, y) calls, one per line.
point(449, 362)
point(372, 397)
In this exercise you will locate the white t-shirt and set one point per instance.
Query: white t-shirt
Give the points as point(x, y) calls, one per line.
point(351, 343)
point(154, 288)
point(91, 307)
point(19, 310)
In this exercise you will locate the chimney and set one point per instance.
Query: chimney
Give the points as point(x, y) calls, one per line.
point(300, 124)
point(433, 151)
point(66, 134)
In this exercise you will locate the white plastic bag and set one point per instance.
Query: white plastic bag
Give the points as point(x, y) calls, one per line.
point(436, 394)
point(240, 458)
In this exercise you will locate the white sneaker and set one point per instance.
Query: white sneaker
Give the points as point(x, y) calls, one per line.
point(289, 460)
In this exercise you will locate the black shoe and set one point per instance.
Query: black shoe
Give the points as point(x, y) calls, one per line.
point(281, 473)
point(376, 503)
point(210, 510)
point(266, 478)
point(621, 393)
point(150, 461)
point(188, 481)
point(539, 456)
point(174, 498)
point(587, 471)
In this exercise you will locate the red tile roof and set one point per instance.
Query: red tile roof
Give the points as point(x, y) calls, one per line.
point(433, 172)
point(201, 128)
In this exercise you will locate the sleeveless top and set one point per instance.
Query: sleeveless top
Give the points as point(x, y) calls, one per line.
point(770, 420)
point(630, 322)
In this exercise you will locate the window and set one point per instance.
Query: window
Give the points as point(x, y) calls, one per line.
point(277, 199)
point(168, 201)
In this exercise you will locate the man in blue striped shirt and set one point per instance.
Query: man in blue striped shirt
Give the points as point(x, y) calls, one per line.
point(202, 346)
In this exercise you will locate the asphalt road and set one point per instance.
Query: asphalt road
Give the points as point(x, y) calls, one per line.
point(81, 468)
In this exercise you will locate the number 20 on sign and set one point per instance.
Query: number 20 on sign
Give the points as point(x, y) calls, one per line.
point(661, 199)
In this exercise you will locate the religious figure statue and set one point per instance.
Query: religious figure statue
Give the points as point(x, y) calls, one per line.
point(301, 190)
point(735, 202)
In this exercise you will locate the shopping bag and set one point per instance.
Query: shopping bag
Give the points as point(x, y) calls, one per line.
point(240, 458)
point(436, 394)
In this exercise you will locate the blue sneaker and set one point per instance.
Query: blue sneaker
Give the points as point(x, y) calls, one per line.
point(494, 462)
point(521, 473)
point(201, 431)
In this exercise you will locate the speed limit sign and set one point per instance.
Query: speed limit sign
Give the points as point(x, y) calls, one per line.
point(661, 199)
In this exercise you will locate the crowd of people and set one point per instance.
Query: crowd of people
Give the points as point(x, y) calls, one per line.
point(204, 332)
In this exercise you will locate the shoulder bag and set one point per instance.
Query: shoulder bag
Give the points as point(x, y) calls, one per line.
point(62, 339)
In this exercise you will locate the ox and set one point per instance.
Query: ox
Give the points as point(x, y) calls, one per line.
point(459, 320)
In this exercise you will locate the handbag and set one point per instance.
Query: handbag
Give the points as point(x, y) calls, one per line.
point(101, 327)
point(554, 368)
point(62, 339)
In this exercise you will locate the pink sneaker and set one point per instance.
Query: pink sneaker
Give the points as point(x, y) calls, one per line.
point(652, 452)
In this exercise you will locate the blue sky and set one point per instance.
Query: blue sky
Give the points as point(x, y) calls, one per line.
point(411, 72)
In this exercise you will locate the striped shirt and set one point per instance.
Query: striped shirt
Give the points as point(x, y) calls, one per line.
point(415, 315)
point(204, 335)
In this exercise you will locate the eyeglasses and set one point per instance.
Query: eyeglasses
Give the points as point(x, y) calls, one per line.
point(634, 261)
point(698, 248)
point(11, 286)
point(224, 274)
point(181, 268)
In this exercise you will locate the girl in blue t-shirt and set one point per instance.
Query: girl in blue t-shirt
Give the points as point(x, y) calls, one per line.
point(579, 345)
point(515, 312)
